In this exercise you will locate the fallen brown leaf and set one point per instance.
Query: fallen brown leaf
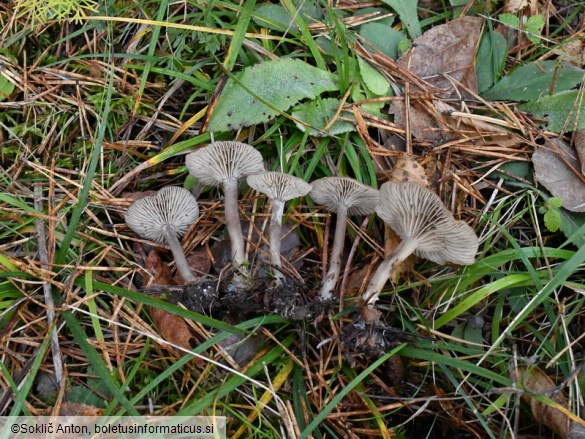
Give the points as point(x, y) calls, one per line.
point(444, 55)
point(552, 166)
point(537, 382)
point(580, 148)
point(171, 327)
point(200, 262)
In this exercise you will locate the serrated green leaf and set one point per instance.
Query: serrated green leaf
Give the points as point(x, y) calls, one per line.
point(509, 20)
point(406, 10)
point(383, 37)
point(563, 111)
point(535, 80)
point(491, 58)
point(374, 80)
point(280, 84)
point(318, 114)
point(553, 203)
point(552, 220)
point(533, 27)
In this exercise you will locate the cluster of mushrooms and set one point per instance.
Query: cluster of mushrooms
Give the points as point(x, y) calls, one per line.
point(416, 214)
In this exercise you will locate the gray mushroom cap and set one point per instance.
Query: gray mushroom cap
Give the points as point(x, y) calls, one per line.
point(334, 192)
point(220, 161)
point(279, 186)
point(414, 212)
point(171, 206)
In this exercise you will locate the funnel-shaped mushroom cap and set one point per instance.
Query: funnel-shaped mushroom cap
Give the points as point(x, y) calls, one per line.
point(336, 192)
point(416, 213)
point(279, 186)
point(220, 161)
point(171, 206)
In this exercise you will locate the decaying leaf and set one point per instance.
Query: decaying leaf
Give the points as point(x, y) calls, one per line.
point(537, 382)
point(356, 282)
point(199, 261)
point(571, 51)
point(552, 166)
point(77, 409)
point(171, 327)
point(281, 84)
point(444, 55)
point(580, 148)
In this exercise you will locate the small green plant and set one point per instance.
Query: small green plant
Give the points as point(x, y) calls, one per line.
point(532, 26)
point(42, 11)
point(552, 214)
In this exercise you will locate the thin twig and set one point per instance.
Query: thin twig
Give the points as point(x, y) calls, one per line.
point(47, 289)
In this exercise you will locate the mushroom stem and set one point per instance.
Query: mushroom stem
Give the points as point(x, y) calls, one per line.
point(335, 264)
point(180, 260)
point(378, 280)
point(275, 236)
point(275, 231)
point(232, 219)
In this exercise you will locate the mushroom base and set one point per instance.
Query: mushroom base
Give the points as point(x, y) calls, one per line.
point(243, 300)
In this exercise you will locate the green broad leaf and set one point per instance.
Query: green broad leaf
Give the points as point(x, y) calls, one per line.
point(573, 226)
point(535, 80)
point(552, 220)
point(491, 58)
point(274, 17)
point(373, 79)
point(266, 90)
point(383, 37)
point(373, 108)
point(514, 171)
point(388, 19)
point(510, 20)
point(533, 28)
point(563, 111)
point(318, 114)
point(406, 10)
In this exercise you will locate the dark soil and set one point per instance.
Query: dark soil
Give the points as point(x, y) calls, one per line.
point(246, 297)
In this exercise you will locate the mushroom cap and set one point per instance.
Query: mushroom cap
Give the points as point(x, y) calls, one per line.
point(171, 206)
point(279, 186)
point(220, 161)
point(415, 212)
point(333, 192)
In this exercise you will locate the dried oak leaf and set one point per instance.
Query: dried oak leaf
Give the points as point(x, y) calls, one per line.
point(445, 53)
point(537, 382)
point(552, 166)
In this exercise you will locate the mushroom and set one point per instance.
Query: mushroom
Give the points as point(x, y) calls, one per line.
point(164, 217)
point(426, 228)
point(224, 163)
point(345, 196)
point(280, 188)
